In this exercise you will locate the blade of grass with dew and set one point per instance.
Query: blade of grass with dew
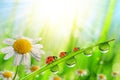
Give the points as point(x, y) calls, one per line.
point(58, 61)
point(70, 45)
point(104, 33)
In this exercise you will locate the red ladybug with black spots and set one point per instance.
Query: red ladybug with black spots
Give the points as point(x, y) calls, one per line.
point(76, 49)
point(62, 54)
point(50, 59)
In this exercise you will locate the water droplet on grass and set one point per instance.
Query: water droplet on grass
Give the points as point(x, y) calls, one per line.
point(54, 69)
point(88, 52)
point(37, 76)
point(104, 47)
point(71, 62)
point(101, 62)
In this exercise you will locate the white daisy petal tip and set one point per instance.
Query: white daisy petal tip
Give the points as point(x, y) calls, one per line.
point(6, 50)
point(36, 40)
point(38, 46)
point(38, 59)
point(7, 56)
point(2, 50)
point(37, 52)
point(8, 41)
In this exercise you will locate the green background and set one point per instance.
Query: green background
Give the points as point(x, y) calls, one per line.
point(63, 25)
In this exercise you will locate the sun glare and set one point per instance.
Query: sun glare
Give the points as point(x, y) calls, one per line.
point(59, 13)
point(58, 16)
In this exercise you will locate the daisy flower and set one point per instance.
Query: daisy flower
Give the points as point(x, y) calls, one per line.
point(22, 47)
point(115, 73)
point(32, 69)
point(101, 77)
point(6, 75)
point(55, 78)
point(81, 72)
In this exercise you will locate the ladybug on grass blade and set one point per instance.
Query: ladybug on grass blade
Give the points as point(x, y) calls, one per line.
point(62, 54)
point(50, 59)
point(76, 49)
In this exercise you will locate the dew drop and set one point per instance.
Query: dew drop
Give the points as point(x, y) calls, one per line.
point(37, 76)
point(88, 52)
point(54, 69)
point(101, 62)
point(71, 62)
point(104, 47)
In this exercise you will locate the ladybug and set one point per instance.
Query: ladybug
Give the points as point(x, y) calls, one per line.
point(62, 54)
point(76, 49)
point(50, 59)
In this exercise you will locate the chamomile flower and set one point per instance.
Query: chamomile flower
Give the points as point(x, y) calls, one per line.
point(81, 72)
point(101, 77)
point(22, 47)
point(6, 75)
point(115, 73)
point(32, 69)
point(55, 78)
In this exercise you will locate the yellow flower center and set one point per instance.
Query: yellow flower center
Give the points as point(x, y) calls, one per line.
point(22, 46)
point(7, 74)
point(101, 76)
point(56, 78)
point(115, 73)
point(34, 68)
point(80, 71)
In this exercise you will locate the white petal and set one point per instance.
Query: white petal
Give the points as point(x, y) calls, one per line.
point(9, 41)
point(36, 40)
point(35, 56)
point(36, 51)
point(8, 49)
point(1, 72)
point(26, 59)
point(5, 78)
point(13, 74)
point(0, 76)
point(9, 79)
point(18, 59)
point(38, 46)
point(9, 55)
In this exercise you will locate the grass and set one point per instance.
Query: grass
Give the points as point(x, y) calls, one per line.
point(59, 61)
point(87, 27)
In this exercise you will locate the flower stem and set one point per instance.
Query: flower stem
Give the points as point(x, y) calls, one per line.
point(15, 73)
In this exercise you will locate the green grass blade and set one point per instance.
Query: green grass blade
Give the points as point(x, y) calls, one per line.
point(108, 20)
point(58, 61)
